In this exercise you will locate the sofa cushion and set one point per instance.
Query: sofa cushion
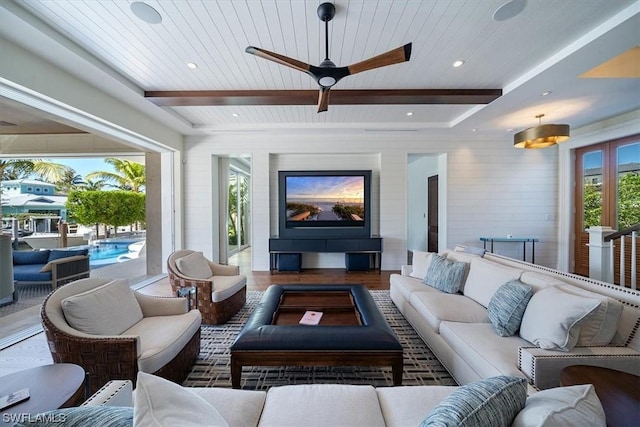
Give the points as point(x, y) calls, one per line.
point(600, 327)
point(226, 286)
point(446, 275)
point(31, 273)
point(409, 405)
point(109, 309)
point(30, 257)
point(420, 263)
point(322, 405)
point(485, 277)
point(460, 256)
point(163, 337)
point(507, 306)
point(194, 265)
point(237, 407)
point(406, 285)
point(58, 254)
point(492, 402)
point(160, 402)
point(552, 319)
point(575, 406)
point(539, 281)
point(436, 307)
point(95, 416)
point(487, 353)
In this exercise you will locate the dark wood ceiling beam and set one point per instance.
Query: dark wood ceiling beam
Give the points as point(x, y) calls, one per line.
point(310, 97)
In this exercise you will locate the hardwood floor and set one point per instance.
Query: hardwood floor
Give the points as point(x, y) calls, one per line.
point(34, 351)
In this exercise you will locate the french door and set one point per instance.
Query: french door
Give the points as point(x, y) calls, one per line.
point(607, 193)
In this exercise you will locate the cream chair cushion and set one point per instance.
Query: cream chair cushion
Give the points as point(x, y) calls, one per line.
point(194, 265)
point(109, 309)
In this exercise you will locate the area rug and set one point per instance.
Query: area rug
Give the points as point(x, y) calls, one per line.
point(28, 296)
point(212, 368)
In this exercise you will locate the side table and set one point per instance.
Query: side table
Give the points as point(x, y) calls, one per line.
point(619, 392)
point(60, 385)
point(191, 294)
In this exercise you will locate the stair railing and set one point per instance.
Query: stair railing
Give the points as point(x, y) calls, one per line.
point(632, 233)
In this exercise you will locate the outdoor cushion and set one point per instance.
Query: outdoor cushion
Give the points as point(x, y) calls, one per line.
point(194, 265)
point(57, 254)
point(109, 309)
point(48, 266)
point(553, 318)
point(30, 273)
point(30, 257)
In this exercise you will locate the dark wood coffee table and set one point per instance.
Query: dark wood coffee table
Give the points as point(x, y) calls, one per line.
point(60, 385)
point(619, 392)
point(352, 331)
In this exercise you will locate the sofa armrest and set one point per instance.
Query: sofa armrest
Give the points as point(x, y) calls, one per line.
point(113, 393)
point(74, 267)
point(542, 367)
point(161, 306)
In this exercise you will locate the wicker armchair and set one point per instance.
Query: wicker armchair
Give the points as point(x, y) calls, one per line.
point(121, 356)
point(219, 297)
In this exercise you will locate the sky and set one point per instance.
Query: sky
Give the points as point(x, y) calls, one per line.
point(84, 166)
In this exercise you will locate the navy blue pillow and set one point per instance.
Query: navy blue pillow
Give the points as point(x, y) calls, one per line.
point(55, 254)
point(30, 257)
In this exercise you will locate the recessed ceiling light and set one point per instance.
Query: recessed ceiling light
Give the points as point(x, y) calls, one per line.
point(146, 12)
point(235, 114)
point(458, 63)
point(509, 10)
point(410, 113)
point(192, 65)
point(545, 93)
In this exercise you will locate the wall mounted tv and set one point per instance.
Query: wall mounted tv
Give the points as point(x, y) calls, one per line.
point(324, 204)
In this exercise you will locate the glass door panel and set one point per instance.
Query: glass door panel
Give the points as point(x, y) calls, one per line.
point(592, 168)
point(628, 185)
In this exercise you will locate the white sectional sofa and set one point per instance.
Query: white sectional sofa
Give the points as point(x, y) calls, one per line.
point(457, 327)
point(157, 402)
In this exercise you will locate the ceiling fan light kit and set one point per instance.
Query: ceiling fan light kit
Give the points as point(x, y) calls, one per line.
point(327, 74)
point(541, 136)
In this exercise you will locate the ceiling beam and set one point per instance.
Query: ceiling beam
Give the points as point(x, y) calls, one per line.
point(195, 98)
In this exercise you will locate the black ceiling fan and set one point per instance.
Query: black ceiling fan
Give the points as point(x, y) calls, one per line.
point(327, 74)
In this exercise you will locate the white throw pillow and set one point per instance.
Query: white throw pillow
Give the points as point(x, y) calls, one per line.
point(420, 264)
point(109, 309)
point(575, 406)
point(600, 327)
point(159, 402)
point(485, 278)
point(194, 265)
point(552, 319)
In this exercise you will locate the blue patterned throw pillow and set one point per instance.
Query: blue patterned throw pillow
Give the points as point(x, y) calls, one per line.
point(492, 402)
point(446, 275)
point(506, 307)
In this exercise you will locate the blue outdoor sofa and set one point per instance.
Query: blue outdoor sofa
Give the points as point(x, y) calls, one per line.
point(55, 266)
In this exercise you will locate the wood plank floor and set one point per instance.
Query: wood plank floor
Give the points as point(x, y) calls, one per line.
point(34, 351)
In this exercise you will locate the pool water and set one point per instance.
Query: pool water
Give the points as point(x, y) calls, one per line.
point(106, 252)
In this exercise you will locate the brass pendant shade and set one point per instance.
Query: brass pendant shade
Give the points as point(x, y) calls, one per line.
point(541, 136)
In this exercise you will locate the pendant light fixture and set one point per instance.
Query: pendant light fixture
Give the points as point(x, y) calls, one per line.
point(541, 136)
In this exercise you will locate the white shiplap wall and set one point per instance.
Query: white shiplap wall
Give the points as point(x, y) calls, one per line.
point(491, 188)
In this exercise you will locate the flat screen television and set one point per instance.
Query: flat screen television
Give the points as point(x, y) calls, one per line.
point(329, 204)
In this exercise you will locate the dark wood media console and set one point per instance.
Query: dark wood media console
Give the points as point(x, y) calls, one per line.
point(355, 245)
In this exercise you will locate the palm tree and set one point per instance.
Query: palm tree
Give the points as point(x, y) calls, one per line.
point(24, 168)
point(69, 181)
point(129, 175)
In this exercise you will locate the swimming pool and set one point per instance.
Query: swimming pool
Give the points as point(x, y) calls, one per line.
point(106, 252)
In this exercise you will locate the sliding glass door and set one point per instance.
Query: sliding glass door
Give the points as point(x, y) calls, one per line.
point(238, 223)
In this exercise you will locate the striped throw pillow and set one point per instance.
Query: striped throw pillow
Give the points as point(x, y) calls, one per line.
point(445, 274)
point(507, 307)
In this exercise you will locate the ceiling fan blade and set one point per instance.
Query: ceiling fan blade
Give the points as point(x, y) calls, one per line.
point(394, 56)
point(280, 59)
point(323, 99)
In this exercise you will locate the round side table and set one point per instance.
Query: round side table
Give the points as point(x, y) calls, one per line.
point(619, 392)
point(60, 385)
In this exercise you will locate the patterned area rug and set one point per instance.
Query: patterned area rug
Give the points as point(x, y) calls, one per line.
point(28, 296)
point(212, 369)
